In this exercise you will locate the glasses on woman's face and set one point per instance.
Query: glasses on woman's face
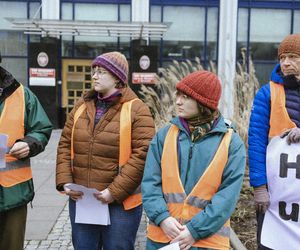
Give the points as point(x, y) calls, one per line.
point(98, 71)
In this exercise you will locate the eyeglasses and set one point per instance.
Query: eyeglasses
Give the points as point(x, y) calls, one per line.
point(98, 72)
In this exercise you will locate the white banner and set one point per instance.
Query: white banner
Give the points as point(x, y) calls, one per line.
point(281, 227)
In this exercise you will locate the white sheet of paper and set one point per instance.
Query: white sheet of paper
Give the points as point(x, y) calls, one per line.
point(173, 246)
point(88, 209)
point(3, 149)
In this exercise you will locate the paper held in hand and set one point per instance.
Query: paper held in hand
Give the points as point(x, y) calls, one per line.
point(89, 210)
point(173, 246)
point(3, 149)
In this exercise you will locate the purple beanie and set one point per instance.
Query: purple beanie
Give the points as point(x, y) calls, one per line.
point(115, 63)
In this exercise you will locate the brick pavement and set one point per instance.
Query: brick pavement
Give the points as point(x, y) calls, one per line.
point(48, 225)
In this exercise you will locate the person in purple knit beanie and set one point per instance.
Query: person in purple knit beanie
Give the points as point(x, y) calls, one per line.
point(103, 146)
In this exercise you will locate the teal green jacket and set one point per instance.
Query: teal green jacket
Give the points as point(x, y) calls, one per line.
point(194, 158)
point(37, 133)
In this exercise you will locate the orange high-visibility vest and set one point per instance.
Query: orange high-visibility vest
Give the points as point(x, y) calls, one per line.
point(279, 117)
point(184, 207)
point(135, 199)
point(12, 124)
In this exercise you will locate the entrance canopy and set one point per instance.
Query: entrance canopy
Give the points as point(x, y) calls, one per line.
point(89, 28)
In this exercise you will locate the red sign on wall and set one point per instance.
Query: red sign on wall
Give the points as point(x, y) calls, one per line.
point(144, 78)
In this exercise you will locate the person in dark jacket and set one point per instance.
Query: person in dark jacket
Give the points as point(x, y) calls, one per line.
point(194, 171)
point(106, 157)
point(27, 128)
point(276, 113)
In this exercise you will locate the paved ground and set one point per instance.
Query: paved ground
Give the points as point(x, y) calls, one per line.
point(48, 225)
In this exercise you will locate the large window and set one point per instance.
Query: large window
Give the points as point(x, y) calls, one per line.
point(13, 43)
point(261, 32)
point(97, 12)
point(17, 67)
point(185, 36)
point(267, 29)
point(11, 9)
point(297, 21)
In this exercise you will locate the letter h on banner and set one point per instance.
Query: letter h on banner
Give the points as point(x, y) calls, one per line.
point(285, 165)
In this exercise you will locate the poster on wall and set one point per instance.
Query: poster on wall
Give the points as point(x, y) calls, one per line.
point(144, 65)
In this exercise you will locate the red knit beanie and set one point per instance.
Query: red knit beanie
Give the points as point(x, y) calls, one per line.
point(290, 44)
point(203, 86)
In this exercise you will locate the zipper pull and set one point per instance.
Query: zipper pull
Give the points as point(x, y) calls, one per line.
point(191, 151)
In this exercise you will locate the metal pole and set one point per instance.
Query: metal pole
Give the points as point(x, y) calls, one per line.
point(227, 54)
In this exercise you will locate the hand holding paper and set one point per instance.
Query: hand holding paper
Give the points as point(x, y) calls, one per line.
point(20, 150)
point(88, 209)
point(104, 196)
point(74, 195)
point(185, 239)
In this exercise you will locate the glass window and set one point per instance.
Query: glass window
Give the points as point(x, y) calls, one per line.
point(66, 46)
point(263, 71)
point(92, 46)
point(66, 11)
point(185, 36)
point(267, 28)
point(155, 14)
point(17, 67)
point(187, 23)
point(125, 46)
point(297, 21)
point(11, 9)
point(13, 43)
point(242, 28)
point(212, 33)
point(125, 13)
point(35, 10)
point(97, 12)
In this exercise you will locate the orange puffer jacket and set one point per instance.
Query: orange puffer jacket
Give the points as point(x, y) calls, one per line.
point(96, 150)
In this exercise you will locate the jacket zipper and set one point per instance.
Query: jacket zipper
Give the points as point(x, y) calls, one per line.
point(89, 159)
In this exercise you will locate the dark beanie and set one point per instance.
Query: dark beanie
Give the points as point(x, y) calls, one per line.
point(203, 86)
point(290, 44)
point(115, 63)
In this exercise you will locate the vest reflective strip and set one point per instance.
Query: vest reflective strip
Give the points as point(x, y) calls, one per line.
point(16, 164)
point(16, 171)
point(183, 207)
point(175, 197)
point(135, 199)
point(197, 202)
point(279, 117)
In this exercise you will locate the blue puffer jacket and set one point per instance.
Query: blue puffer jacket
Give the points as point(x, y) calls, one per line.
point(259, 126)
point(193, 160)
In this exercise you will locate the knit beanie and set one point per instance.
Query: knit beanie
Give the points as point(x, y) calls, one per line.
point(290, 44)
point(203, 86)
point(115, 63)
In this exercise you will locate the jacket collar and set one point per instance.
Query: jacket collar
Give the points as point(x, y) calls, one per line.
point(276, 75)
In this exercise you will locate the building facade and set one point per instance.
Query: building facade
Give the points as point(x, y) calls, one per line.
point(193, 31)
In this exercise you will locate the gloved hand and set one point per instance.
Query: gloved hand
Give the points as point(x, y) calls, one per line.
point(74, 195)
point(261, 198)
point(293, 135)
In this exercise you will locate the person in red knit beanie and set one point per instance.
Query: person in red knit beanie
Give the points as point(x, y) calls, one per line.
point(194, 171)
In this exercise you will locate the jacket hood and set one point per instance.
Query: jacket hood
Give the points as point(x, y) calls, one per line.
point(220, 127)
point(276, 75)
point(6, 79)
point(127, 94)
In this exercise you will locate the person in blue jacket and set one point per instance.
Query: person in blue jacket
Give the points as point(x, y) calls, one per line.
point(286, 74)
point(201, 131)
